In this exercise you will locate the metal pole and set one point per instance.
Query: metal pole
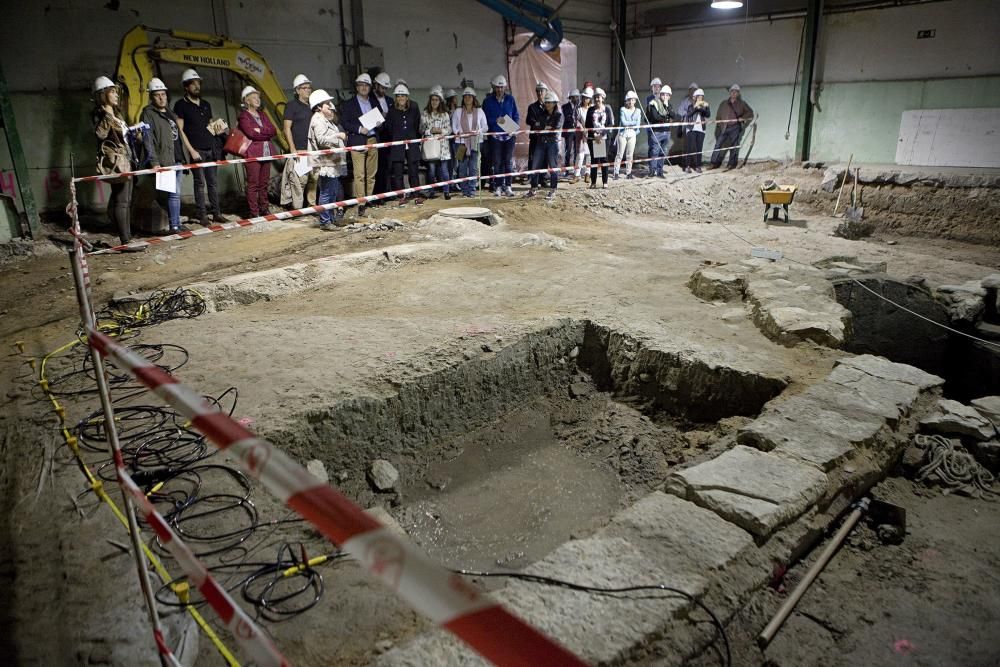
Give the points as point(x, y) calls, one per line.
point(765, 637)
point(803, 139)
point(111, 431)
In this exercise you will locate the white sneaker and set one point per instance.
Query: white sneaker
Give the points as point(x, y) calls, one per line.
point(510, 191)
point(551, 195)
point(498, 192)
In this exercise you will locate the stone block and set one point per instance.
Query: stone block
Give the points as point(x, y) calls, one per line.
point(954, 419)
point(881, 367)
point(989, 407)
point(757, 491)
point(721, 283)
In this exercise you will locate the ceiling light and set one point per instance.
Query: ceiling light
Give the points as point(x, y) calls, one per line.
point(726, 4)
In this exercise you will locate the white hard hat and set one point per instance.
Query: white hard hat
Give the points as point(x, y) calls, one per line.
point(655, 82)
point(398, 81)
point(550, 97)
point(317, 97)
point(631, 95)
point(499, 81)
point(735, 87)
point(247, 91)
point(587, 92)
point(666, 90)
point(451, 93)
point(698, 92)
point(600, 91)
point(189, 75)
point(401, 89)
point(469, 91)
point(541, 85)
point(299, 80)
point(102, 82)
point(383, 80)
point(155, 85)
point(437, 90)
point(575, 92)
point(364, 78)
point(693, 85)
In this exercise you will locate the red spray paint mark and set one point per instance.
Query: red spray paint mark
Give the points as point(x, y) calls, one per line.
point(53, 183)
point(7, 184)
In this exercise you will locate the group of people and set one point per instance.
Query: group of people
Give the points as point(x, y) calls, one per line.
point(462, 137)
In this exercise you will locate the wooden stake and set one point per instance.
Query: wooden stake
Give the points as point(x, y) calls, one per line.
point(847, 174)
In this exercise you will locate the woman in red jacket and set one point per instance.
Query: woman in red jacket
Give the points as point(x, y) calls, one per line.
point(255, 124)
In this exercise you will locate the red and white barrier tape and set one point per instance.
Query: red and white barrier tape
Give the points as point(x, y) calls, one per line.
point(244, 630)
point(295, 213)
point(444, 597)
point(350, 149)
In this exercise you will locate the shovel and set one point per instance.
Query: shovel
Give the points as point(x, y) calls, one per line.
point(855, 211)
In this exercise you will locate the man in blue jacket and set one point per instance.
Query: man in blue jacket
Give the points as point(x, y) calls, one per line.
point(365, 163)
point(495, 107)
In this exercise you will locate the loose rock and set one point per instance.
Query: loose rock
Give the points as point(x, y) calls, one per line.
point(383, 475)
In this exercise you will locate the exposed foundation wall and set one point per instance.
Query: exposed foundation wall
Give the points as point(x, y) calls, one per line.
point(871, 67)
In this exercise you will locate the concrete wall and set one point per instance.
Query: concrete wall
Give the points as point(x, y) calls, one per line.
point(52, 52)
point(871, 68)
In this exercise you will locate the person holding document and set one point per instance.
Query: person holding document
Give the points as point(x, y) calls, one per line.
point(360, 119)
point(599, 117)
point(502, 116)
point(163, 144)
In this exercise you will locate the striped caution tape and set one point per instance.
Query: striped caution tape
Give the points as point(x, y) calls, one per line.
point(443, 597)
point(310, 210)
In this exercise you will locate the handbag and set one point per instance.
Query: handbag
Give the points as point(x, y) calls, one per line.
point(112, 158)
point(431, 149)
point(460, 152)
point(237, 143)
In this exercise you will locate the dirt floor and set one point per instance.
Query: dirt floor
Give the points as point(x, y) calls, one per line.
point(931, 600)
point(405, 336)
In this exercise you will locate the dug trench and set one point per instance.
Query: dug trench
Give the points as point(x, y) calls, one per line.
point(503, 457)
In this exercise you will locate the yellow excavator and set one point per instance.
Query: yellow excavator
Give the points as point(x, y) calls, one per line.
point(143, 48)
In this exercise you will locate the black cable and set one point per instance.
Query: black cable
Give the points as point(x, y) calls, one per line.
point(552, 581)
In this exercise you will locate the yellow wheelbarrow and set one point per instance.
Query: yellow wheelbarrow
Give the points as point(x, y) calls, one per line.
point(777, 197)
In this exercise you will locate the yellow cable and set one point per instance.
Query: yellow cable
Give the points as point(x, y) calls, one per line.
point(98, 487)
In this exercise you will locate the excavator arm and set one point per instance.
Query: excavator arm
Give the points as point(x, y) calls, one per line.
point(139, 58)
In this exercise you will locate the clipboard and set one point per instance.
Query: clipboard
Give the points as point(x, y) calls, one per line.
point(372, 119)
point(599, 148)
point(166, 181)
point(508, 125)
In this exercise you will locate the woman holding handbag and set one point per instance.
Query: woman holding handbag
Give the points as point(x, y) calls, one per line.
point(435, 123)
point(113, 154)
point(258, 128)
point(599, 117)
point(323, 134)
point(469, 123)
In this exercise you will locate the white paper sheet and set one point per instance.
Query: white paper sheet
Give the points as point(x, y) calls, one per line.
point(600, 148)
point(372, 119)
point(166, 181)
point(302, 166)
point(508, 124)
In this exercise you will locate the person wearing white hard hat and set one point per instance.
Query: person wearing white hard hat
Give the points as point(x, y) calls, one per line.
point(364, 163)
point(403, 123)
point(534, 110)
point(630, 118)
point(469, 122)
point(546, 153)
point(194, 114)
point(114, 155)
point(381, 95)
point(655, 85)
point(164, 147)
point(297, 191)
point(683, 109)
point(583, 155)
point(324, 134)
point(435, 125)
point(498, 106)
point(571, 142)
point(732, 117)
point(382, 84)
point(451, 101)
point(696, 119)
point(599, 117)
point(259, 129)
point(659, 111)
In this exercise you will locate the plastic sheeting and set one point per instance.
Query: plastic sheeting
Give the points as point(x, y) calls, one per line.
point(556, 68)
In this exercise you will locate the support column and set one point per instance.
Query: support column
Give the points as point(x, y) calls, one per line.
point(17, 157)
point(803, 138)
point(622, 17)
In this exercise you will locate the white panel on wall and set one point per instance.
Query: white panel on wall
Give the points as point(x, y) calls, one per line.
point(949, 138)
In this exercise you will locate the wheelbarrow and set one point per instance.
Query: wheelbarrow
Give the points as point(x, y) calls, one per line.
point(777, 197)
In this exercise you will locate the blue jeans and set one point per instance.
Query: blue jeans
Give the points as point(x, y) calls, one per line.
point(467, 168)
point(659, 148)
point(503, 161)
point(328, 190)
point(174, 202)
point(437, 171)
point(546, 155)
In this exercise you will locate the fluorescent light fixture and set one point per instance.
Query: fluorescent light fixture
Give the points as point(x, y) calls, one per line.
point(726, 4)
